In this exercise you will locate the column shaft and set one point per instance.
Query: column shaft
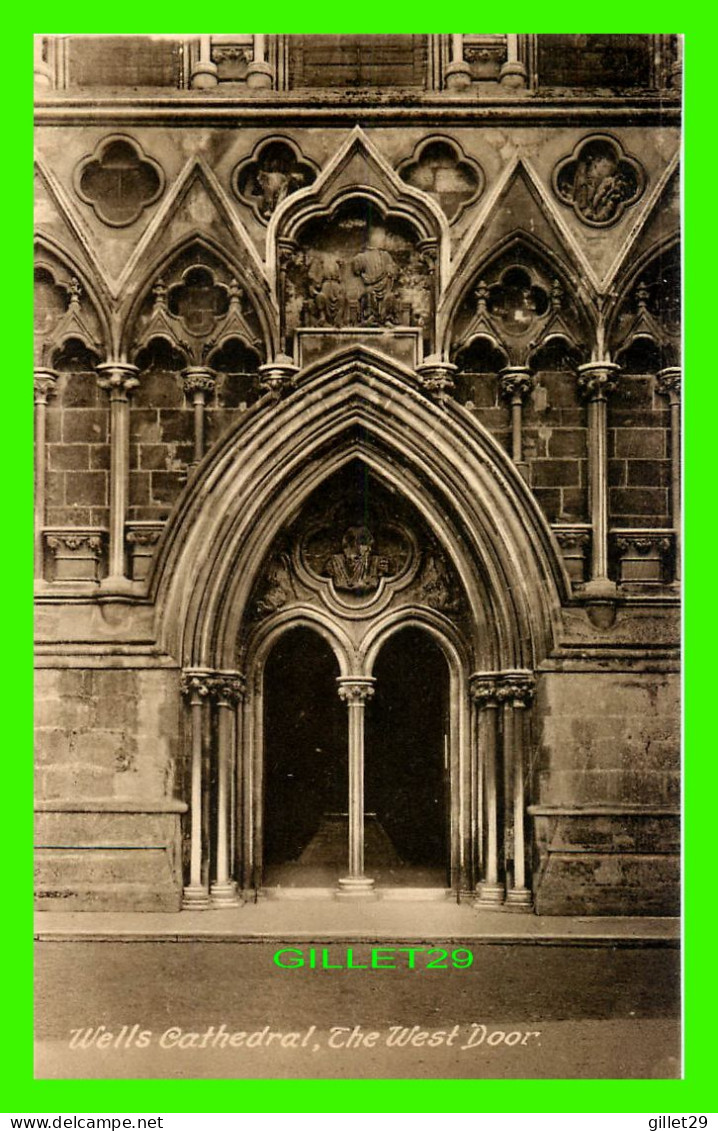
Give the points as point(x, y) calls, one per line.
point(119, 379)
point(40, 474)
point(199, 383)
point(457, 49)
point(516, 411)
point(676, 483)
point(198, 405)
point(195, 865)
point(119, 482)
point(225, 711)
point(491, 890)
point(356, 789)
point(596, 380)
point(491, 800)
point(355, 692)
point(598, 487)
point(44, 383)
point(518, 692)
point(515, 384)
point(519, 804)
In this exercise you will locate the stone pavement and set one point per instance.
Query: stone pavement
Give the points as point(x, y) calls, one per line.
point(396, 919)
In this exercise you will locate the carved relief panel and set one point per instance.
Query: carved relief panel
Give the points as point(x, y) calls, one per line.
point(275, 170)
point(354, 552)
point(599, 181)
point(358, 268)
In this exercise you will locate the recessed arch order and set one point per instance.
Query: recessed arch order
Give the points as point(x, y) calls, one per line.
point(358, 404)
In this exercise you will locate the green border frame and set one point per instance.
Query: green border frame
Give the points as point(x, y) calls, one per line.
point(25, 1095)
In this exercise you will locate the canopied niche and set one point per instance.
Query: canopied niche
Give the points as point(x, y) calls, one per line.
point(197, 305)
point(358, 256)
point(66, 321)
point(359, 267)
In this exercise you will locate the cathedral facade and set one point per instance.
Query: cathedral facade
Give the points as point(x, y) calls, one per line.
point(357, 387)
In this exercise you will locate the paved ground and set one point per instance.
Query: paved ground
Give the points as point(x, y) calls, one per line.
point(542, 999)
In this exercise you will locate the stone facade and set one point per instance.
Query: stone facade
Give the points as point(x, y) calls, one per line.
point(358, 346)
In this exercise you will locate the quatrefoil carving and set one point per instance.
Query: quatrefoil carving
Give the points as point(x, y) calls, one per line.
point(119, 181)
point(275, 170)
point(440, 168)
point(598, 180)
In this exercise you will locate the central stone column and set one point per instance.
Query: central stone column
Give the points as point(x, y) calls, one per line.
point(515, 384)
point(517, 692)
point(668, 384)
point(355, 693)
point(119, 379)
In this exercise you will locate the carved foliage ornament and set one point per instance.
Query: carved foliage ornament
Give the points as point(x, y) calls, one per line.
point(275, 170)
point(119, 181)
point(599, 181)
point(490, 689)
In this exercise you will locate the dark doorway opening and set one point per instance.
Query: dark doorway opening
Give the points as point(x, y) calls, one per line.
point(406, 764)
point(306, 774)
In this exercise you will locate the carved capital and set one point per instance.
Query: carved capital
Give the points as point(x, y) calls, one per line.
point(196, 684)
point(644, 543)
point(198, 382)
point(355, 692)
point(227, 688)
point(668, 383)
point(45, 381)
point(572, 539)
point(597, 379)
point(517, 688)
point(118, 378)
point(515, 383)
point(437, 378)
point(483, 688)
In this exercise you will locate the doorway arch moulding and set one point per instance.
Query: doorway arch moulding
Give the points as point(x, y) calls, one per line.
point(359, 405)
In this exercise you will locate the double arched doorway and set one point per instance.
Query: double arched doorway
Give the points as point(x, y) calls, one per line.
point(360, 614)
point(405, 779)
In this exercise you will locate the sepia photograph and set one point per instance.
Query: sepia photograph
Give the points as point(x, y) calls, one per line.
point(357, 375)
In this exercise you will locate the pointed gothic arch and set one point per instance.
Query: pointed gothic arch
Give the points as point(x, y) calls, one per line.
point(55, 251)
point(256, 294)
point(519, 240)
point(443, 460)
